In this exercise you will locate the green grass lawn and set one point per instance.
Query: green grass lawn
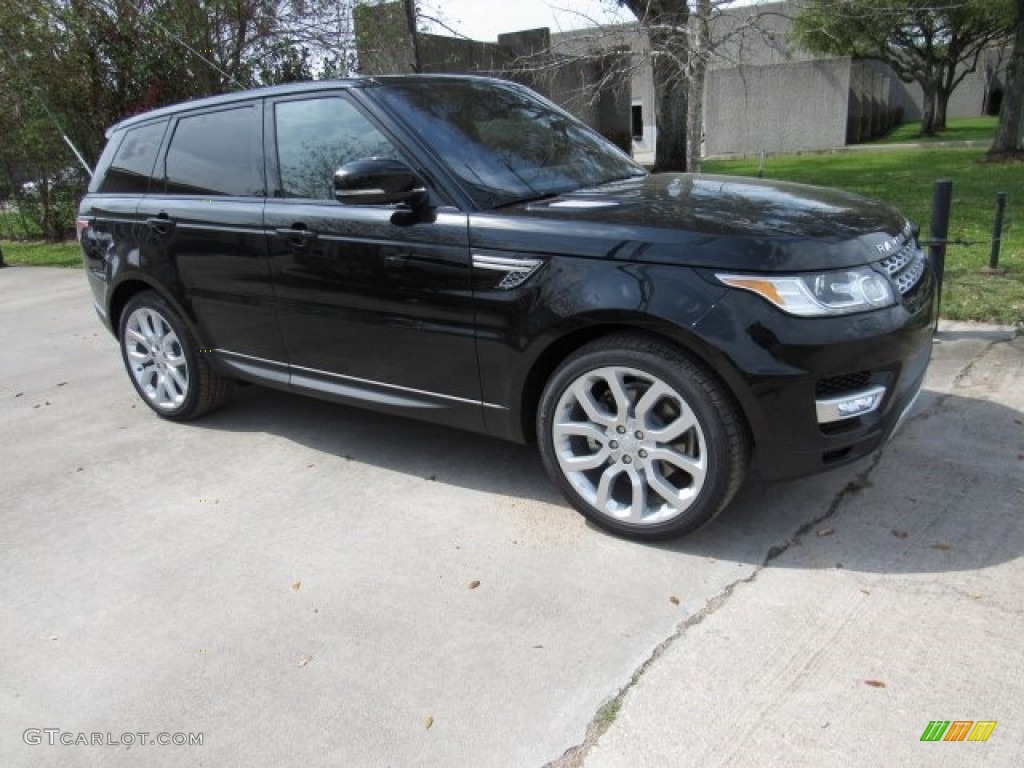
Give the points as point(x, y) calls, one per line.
point(41, 253)
point(905, 179)
point(957, 129)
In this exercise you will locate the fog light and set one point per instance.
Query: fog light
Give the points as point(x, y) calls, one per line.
point(849, 405)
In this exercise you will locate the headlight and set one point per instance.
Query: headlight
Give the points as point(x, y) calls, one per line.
point(818, 294)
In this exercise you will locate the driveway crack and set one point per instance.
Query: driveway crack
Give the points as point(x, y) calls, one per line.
point(605, 716)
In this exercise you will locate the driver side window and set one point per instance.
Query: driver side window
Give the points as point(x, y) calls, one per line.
point(315, 137)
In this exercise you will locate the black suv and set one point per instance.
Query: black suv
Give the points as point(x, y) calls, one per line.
point(460, 250)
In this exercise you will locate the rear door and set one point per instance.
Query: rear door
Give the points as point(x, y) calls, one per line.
point(204, 232)
point(375, 301)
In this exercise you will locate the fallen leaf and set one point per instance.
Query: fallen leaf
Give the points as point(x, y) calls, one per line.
point(297, 586)
point(875, 683)
point(941, 547)
point(428, 721)
point(826, 531)
point(866, 591)
point(674, 600)
point(310, 466)
point(19, 394)
point(304, 661)
point(899, 534)
point(474, 584)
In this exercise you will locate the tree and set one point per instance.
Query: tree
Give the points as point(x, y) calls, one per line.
point(701, 49)
point(74, 67)
point(933, 44)
point(666, 23)
point(1009, 137)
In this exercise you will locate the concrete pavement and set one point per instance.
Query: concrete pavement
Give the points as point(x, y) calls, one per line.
point(900, 606)
point(297, 583)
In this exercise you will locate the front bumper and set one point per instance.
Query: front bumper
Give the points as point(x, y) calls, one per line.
point(789, 374)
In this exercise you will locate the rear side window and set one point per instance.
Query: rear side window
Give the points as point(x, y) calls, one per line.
point(315, 137)
point(132, 164)
point(216, 153)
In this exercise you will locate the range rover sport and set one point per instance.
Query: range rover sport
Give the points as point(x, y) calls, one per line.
point(458, 249)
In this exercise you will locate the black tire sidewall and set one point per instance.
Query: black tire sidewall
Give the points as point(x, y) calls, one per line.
point(695, 387)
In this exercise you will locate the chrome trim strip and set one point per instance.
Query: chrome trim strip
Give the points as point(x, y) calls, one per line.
point(505, 263)
point(366, 381)
point(248, 357)
point(828, 408)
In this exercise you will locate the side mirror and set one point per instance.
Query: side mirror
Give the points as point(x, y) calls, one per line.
point(376, 181)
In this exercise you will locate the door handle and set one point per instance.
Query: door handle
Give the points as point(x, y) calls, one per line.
point(297, 237)
point(295, 234)
point(161, 224)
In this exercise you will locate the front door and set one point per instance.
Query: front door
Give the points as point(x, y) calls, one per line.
point(374, 302)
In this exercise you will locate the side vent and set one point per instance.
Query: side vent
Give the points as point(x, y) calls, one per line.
point(513, 270)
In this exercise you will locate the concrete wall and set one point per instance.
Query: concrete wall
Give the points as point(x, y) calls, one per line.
point(780, 108)
point(635, 86)
point(873, 109)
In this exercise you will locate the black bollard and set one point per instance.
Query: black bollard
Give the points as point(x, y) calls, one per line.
point(997, 232)
point(942, 200)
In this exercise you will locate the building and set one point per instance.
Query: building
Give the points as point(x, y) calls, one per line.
point(762, 93)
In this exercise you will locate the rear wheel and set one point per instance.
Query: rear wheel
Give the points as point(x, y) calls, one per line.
point(164, 362)
point(642, 440)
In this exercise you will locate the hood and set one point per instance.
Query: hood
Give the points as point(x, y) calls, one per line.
point(703, 221)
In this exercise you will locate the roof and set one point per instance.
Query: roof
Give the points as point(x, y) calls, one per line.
point(308, 86)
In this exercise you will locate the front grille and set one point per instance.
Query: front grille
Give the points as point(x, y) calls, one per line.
point(834, 386)
point(905, 267)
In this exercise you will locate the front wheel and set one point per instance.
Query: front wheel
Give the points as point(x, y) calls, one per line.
point(640, 439)
point(164, 361)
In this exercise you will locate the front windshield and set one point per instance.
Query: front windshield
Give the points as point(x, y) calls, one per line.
point(503, 143)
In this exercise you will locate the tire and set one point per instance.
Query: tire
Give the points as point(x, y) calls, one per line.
point(164, 363)
point(641, 439)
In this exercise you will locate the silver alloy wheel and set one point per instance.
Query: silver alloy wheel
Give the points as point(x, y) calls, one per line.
point(156, 359)
point(630, 445)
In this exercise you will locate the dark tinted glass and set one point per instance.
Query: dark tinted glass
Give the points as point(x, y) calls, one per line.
point(315, 137)
point(505, 143)
point(132, 165)
point(216, 153)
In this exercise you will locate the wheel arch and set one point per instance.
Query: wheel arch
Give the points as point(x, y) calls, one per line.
point(559, 349)
point(132, 286)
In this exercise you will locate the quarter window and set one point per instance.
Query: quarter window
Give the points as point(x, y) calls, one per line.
point(315, 137)
point(133, 163)
point(216, 153)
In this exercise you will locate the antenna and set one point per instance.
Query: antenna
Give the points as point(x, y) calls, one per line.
point(42, 102)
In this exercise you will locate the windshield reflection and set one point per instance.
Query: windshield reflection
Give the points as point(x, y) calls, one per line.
point(503, 142)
